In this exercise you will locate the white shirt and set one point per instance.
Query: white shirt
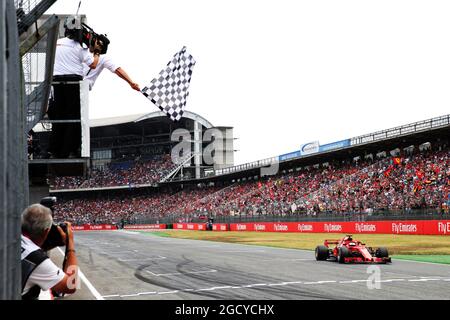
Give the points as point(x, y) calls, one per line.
point(71, 57)
point(46, 275)
point(104, 62)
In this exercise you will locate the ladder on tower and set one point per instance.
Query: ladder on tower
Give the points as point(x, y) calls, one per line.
point(176, 170)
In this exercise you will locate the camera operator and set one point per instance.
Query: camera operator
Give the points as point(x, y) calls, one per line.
point(70, 58)
point(38, 271)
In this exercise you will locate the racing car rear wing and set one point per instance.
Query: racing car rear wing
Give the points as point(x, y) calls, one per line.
point(328, 242)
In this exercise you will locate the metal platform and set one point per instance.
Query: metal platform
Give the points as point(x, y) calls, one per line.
point(41, 169)
point(57, 161)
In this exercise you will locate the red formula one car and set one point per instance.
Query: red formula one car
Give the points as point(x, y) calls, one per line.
point(348, 250)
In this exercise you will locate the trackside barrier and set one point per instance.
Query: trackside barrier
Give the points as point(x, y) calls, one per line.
point(189, 226)
point(146, 227)
point(87, 227)
point(200, 227)
point(420, 227)
point(433, 227)
point(221, 227)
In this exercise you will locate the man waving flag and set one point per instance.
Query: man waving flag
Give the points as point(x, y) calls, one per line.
point(170, 91)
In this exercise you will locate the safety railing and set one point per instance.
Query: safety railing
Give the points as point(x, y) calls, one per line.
point(413, 128)
point(435, 123)
point(29, 11)
point(381, 215)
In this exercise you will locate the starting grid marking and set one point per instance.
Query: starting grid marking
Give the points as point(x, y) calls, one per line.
point(281, 284)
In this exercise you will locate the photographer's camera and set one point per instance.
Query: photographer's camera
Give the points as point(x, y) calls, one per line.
point(58, 232)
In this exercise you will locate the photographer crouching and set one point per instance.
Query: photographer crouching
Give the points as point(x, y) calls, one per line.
point(40, 234)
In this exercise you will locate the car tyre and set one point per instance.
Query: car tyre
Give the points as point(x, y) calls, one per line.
point(343, 253)
point(322, 253)
point(382, 253)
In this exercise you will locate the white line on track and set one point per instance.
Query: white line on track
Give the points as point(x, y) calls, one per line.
point(168, 292)
point(207, 289)
point(354, 281)
point(130, 295)
point(283, 259)
point(255, 285)
point(292, 283)
point(220, 288)
point(392, 280)
point(423, 280)
point(260, 285)
point(244, 251)
point(88, 284)
point(147, 293)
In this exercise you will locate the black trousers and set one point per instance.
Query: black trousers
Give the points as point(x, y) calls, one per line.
point(65, 105)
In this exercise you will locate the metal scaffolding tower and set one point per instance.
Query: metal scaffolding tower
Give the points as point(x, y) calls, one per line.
point(21, 34)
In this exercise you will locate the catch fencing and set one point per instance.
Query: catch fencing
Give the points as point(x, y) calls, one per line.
point(13, 161)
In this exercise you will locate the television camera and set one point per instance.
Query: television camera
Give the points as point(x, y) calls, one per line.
point(82, 33)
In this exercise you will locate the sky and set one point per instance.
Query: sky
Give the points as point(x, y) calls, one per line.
point(282, 73)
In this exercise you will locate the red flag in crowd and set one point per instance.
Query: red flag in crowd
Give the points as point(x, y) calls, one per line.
point(417, 187)
point(387, 173)
point(420, 174)
point(436, 169)
point(397, 161)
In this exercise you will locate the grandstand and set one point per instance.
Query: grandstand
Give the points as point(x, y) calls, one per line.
point(397, 173)
point(127, 174)
point(136, 151)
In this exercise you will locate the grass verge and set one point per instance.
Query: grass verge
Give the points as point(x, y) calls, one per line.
point(398, 245)
point(442, 259)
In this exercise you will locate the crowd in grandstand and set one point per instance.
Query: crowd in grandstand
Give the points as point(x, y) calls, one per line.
point(400, 183)
point(130, 173)
point(408, 183)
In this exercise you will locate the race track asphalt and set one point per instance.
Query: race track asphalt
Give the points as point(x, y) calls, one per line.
point(129, 265)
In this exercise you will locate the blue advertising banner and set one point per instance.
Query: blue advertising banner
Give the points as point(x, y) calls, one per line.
point(310, 148)
point(289, 156)
point(314, 147)
point(335, 145)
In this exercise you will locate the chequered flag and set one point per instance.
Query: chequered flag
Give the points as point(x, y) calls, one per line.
point(170, 91)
